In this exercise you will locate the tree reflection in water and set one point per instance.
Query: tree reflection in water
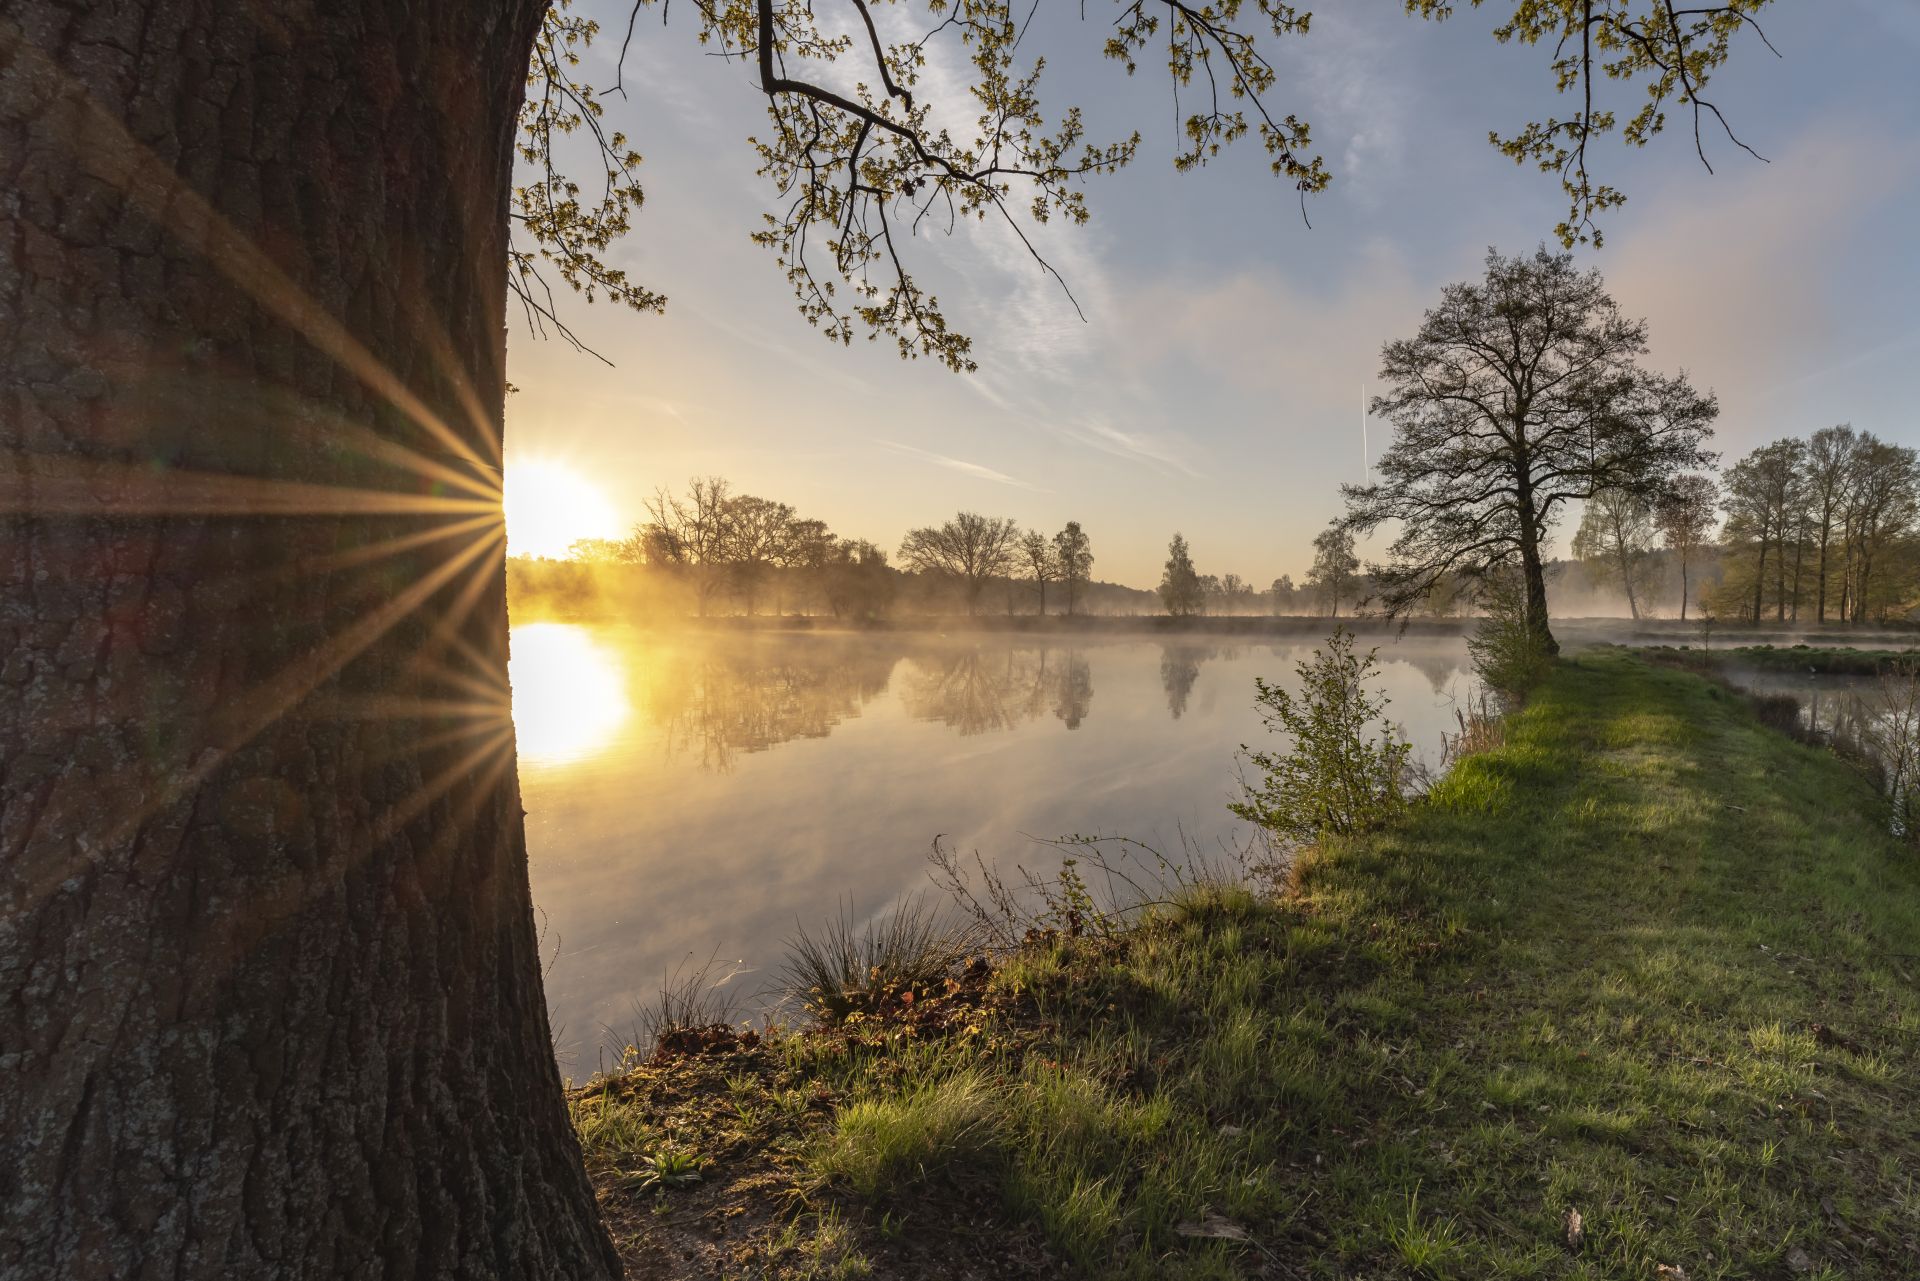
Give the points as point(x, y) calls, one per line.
point(718, 701)
point(975, 688)
point(1180, 668)
point(1072, 688)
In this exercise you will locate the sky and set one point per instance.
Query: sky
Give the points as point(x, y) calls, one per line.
point(1215, 384)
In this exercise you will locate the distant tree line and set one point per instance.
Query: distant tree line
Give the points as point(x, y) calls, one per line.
point(710, 550)
point(1821, 529)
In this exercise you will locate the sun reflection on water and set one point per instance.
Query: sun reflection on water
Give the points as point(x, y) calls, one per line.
point(569, 693)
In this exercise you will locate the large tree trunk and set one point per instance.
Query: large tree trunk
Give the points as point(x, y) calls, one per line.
point(270, 999)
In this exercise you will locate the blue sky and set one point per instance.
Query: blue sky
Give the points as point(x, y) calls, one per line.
point(1214, 386)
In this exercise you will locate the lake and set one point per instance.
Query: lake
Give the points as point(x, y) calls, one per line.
point(693, 794)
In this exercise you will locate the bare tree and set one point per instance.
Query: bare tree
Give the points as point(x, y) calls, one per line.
point(971, 548)
point(1520, 393)
point(1037, 558)
point(1684, 513)
point(693, 533)
point(1616, 534)
point(1073, 554)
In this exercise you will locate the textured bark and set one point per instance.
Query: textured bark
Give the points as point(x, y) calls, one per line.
point(270, 998)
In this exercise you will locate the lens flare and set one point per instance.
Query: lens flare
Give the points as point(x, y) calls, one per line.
point(550, 506)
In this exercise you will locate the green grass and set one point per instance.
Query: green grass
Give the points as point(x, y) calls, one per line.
point(1647, 960)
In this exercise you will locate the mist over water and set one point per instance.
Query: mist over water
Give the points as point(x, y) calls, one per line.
point(691, 793)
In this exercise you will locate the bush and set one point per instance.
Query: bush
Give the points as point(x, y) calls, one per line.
point(1345, 771)
point(1507, 654)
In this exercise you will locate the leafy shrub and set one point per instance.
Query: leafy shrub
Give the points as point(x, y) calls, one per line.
point(1508, 655)
point(1346, 770)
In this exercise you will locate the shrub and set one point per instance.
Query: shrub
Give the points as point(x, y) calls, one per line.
point(1508, 654)
point(1346, 770)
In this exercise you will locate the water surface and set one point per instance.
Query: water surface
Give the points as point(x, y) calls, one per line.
point(689, 793)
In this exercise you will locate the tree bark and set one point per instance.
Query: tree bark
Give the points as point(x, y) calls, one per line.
point(270, 999)
point(1532, 571)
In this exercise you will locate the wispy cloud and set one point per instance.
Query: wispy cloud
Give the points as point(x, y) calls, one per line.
point(1357, 96)
point(961, 465)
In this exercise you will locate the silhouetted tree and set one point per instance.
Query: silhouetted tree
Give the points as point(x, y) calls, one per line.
point(1281, 595)
point(759, 537)
point(1037, 558)
point(1180, 588)
point(1073, 554)
point(1520, 393)
point(970, 548)
point(859, 583)
point(692, 533)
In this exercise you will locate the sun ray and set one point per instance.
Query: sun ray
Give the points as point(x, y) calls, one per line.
point(240, 928)
point(104, 148)
point(47, 486)
point(386, 547)
point(271, 700)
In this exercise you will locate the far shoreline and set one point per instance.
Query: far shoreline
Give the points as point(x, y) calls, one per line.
point(1572, 631)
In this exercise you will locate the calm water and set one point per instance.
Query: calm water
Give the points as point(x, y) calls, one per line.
point(696, 793)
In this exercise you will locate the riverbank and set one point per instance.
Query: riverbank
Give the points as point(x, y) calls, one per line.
point(1814, 660)
point(1292, 626)
point(1646, 960)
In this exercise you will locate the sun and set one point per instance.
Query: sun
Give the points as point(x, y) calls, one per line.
point(550, 506)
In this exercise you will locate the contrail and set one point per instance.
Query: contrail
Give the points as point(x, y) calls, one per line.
point(1366, 458)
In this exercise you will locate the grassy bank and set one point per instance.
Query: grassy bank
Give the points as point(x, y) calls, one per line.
point(1809, 659)
point(1646, 961)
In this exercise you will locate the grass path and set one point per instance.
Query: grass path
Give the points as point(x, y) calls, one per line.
point(1647, 962)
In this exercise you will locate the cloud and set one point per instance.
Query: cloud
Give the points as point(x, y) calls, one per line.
point(1736, 273)
point(1356, 86)
point(1257, 331)
point(965, 468)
